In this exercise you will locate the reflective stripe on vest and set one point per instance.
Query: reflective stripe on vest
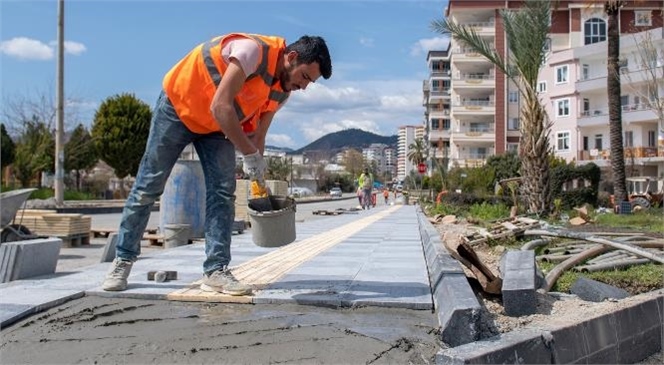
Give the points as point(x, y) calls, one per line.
point(278, 96)
point(215, 75)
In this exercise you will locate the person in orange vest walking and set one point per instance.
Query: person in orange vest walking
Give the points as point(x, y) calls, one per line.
point(221, 97)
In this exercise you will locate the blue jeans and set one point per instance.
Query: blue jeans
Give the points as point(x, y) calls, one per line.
point(168, 137)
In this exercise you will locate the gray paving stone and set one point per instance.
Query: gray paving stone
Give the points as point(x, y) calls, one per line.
point(10, 313)
point(108, 255)
point(595, 291)
point(518, 291)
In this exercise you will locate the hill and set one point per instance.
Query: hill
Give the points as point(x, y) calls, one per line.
point(348, 138)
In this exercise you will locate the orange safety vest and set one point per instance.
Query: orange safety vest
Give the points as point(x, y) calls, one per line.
point(191, 84)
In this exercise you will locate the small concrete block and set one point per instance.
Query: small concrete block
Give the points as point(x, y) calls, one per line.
point(162, 275)
point(8, 255)
point(109, 250)
point(36, 257)
point(518, 269)
point(595, 291)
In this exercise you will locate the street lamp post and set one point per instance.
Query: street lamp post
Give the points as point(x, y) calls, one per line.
point(59, 96)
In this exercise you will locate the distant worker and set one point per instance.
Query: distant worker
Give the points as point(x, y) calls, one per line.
point(366, 183)
point(222, 97)
point(386, 195)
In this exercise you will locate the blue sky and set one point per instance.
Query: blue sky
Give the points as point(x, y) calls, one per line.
point(378, 51)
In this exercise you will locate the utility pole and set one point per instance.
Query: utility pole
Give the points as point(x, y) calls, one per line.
point(60, 110)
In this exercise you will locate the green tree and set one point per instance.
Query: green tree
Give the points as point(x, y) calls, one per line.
point(278, 168)
point(612, 10)
point(120, 131)
point(527, 30)
point(8, 147)
point(504, 166)
point(80, 153)
point(35, 151)
point(354, 162)
point(416, 151)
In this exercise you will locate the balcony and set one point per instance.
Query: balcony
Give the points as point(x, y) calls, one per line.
point(468, 55)
point(436, 134)
point(439, 92)
point(474, 107)
point(630, 114)
point(475, 80)
point(630, 152)
point(482, 133)
point(482, 28)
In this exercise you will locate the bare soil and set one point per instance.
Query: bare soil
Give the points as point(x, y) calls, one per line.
point(553, 309)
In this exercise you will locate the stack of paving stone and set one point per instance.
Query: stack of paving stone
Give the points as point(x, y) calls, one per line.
point(25, 259)
point(72, 228)
point(243, 194)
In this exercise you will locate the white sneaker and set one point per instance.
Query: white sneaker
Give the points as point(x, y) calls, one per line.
point(116, 279)
point(223, 281)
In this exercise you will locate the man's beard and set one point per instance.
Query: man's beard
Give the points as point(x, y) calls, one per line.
point(284, 78)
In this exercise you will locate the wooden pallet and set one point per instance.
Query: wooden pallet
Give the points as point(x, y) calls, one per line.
point(75, 240)
point(157, 239)
point(105, 232)
point(502, 229)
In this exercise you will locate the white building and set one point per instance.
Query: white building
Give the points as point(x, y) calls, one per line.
point(406, 136)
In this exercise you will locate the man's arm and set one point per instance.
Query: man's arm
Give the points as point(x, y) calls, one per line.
point(261, 131)
point(223, 111)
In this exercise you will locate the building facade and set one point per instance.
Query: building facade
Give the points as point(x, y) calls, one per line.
point(406, 136)
point(472, 111)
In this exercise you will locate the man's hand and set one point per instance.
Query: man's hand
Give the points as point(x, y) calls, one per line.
point(254, 166)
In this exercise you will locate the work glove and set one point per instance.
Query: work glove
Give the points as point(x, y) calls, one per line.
point(254, 166)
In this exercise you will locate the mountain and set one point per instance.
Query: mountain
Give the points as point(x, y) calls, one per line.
point(275, 148)
point(348, 138)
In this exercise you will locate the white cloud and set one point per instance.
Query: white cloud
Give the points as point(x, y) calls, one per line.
point(74, 48)
point(367, 42)
point(26, 49)
point(32, 49)
point(379, 107)
point(280, 140)
point(422, 46)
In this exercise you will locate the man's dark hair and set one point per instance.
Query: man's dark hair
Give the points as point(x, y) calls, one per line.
point(313, 49)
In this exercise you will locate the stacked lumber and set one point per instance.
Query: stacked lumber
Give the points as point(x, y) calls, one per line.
point(53, 224)
point(243, 194)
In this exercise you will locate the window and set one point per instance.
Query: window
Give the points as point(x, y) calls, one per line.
point(586, 106)
point(585, 143)
point(435, 124)
point(652, 140)
point(642, 18)
point(514, 96)
point(562, 74)
point(594, 30)
point(585, 72)
point(541, 87)
point(513, 124)
point(446, 124)
point(598, 142)
point(629, 139)
point(513, 147)
point(562, 141)
point(562, 108)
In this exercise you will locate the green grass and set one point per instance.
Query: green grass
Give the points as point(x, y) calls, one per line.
point(46, 193)
point(651, 220)
point(636, 279)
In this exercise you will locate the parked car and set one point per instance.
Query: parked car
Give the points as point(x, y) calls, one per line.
point(298, 192)
point(335, 192)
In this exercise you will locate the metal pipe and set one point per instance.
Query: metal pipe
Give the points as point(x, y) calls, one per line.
point(611, 265)
point(553, 258)
point(535, 243)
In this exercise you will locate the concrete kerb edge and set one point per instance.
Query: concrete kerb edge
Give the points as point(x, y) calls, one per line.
point(455, 303)
point(624, 336)
point(40, 308)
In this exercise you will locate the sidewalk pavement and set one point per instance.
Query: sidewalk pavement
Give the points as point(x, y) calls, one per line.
point(373, 258)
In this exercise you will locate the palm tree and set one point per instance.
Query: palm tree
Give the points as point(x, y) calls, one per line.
point(416, 151)
point(526, 29)
point(612, 10)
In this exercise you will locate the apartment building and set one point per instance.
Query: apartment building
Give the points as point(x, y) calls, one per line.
point(573, 86)
point(406, 136)
point(472, 111)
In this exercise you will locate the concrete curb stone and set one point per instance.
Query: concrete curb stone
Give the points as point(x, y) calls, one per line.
point(455, 303)
point(624, 336)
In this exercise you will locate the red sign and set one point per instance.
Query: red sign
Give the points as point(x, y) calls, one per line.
point(421, 168)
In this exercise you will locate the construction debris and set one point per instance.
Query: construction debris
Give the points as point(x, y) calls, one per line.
point(513, 227)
